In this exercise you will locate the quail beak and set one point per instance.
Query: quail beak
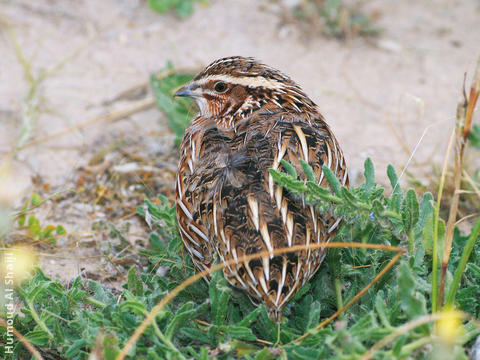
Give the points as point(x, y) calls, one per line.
point(192, 89)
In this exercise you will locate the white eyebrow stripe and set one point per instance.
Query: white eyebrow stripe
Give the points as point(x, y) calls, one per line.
point(252, 81)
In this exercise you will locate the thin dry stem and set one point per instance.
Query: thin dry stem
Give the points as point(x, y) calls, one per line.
point(24, 341)
point(452, 216)
point(459, 221)
point(412, 154)
point(400, 331)
point(472, 183)
point(355, 298)
point(435, 224)
point(465, 112)
point(403, 329)
point(171, 295)
point(472, 100)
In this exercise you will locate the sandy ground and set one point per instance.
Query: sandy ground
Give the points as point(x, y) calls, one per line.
point(381, 96)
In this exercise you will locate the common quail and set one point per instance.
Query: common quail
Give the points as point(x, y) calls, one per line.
point(252, 116)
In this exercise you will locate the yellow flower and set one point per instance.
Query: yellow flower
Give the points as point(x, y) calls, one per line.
point(449, 326)
point(15, 265)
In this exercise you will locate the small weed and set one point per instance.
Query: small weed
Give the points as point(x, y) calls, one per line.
point(179, 112)
point(333, 18)
point(34, 230)
point(183, 8)
point(32, 100)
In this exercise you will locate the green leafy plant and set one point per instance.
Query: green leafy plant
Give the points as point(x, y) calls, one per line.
point(32, 224)
point(396, 216)
point(183, 8)
point(474, 136)
point(213, 319)
point(180, 111)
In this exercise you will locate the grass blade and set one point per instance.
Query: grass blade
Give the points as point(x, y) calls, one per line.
point(462, 264)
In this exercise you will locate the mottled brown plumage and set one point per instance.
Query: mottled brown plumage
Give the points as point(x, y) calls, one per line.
point(252, 116)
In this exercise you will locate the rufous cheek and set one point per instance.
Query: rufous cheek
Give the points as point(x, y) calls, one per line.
point(238, 94)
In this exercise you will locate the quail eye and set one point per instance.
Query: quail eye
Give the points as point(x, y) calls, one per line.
point(220, 87)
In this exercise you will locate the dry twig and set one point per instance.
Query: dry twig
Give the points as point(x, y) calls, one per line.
point(465, 110)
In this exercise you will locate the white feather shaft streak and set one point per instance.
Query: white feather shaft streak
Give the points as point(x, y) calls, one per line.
point(266, 238)
point(266, 267)
point(344, 180)
point(184, 233)
point(329, 156)
point(199, 232)
point(184, 209)
point(215, 217)
point(282, 281)
point(264, 284)
point(179, 188)
point(303, 141)
point(252, 202)
point(289, 228)
point(250, 273)
point(278, 196)
point(314, 218)
point(281, 153)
